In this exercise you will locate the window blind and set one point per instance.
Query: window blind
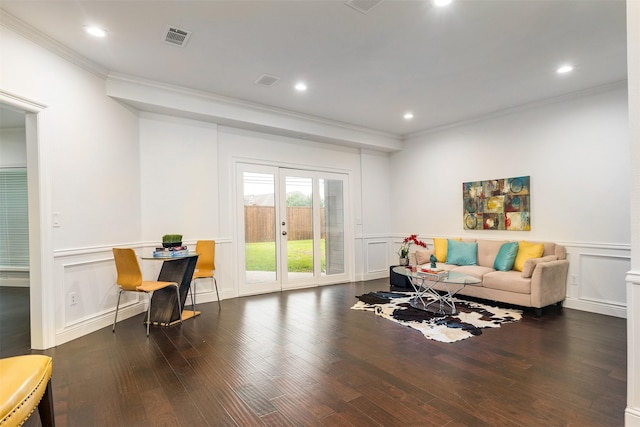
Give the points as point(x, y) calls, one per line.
point(14, 218)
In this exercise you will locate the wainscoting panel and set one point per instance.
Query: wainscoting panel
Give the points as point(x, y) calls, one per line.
point(92, 285)
point(596, 281)
point(375, 258)
point(599, 276)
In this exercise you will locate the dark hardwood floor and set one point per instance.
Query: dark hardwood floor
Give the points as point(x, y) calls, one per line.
point(303, 358)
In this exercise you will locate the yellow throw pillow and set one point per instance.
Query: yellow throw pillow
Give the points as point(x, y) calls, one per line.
point(527, 250)
point(440, 248)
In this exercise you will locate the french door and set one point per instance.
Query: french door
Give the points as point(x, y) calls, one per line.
point(293, 227)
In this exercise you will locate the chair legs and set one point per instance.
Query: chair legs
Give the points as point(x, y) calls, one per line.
point(192, 292)
point(45, 407)
point(148, 320)
point(215, 282)
point(115, 319)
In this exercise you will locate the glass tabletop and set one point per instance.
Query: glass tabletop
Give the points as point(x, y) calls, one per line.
point(443, 276)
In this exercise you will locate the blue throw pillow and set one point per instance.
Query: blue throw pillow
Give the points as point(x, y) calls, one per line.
point(506, 256)
point(462, 253)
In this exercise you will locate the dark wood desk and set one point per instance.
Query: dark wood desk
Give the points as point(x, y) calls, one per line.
point(164, 310)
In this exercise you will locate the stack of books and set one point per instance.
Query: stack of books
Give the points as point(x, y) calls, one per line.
point(174, 251)
point(434, 273)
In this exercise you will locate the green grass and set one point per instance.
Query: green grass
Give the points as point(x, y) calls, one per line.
point(262, 256)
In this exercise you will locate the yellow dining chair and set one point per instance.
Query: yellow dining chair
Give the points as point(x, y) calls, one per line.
point(205, 267)
point(130, 280)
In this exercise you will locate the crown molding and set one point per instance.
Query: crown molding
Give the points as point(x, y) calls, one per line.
point(22, 28)
point(521, 107)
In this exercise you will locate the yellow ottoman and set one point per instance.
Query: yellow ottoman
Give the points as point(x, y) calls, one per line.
point(25, 384)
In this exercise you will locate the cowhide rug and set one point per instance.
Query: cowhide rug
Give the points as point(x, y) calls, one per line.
point(470, 319)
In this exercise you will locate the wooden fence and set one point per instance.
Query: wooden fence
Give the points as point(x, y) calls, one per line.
point(260, 220)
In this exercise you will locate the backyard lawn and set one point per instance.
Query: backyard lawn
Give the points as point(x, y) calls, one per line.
point(262, 256)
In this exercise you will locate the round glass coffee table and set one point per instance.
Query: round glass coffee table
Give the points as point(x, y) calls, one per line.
point(426, 297)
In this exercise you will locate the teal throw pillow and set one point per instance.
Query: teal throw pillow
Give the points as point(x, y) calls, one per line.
point(506, 256)
point(462, 253)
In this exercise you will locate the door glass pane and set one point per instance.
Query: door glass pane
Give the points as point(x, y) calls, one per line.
point(299, 227)
point(332, 225)
point(259, 227)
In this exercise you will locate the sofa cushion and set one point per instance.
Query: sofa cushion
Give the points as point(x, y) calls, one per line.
point(506, 256)
point(511, 281)
point(461, 253)
point(487, 251)
point(530, 264)
point(473, 270)
point(527, 250)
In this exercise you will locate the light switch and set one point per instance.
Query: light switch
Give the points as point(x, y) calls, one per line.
point(56, 219)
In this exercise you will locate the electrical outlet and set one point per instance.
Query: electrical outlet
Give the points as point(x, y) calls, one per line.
point(73, 298)
point(574, 279)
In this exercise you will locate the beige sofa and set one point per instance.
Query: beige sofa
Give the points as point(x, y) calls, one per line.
point(542, 281)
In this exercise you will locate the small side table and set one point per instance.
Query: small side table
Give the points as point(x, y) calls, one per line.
point(398, 281)
point(164, 310)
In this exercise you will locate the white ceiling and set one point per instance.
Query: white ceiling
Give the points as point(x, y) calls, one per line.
point(469, 59)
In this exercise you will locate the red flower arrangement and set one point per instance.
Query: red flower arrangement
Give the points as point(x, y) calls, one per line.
point(406, 244)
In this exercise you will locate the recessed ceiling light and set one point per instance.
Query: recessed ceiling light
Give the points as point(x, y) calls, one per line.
point(95, 31)
point(441, 3)
point(565, 69)
point(408, 116)
point(300, 87)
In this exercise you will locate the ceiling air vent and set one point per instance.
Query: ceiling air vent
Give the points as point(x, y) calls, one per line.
point(175, 36)
point(267, 80)
point(363, 6)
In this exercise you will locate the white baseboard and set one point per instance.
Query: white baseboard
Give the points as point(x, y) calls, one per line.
point(594, 307)
point(88, 326)
point(632, 417)
point(372, 276)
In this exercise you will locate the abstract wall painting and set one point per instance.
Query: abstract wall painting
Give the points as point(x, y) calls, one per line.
point(497, 204)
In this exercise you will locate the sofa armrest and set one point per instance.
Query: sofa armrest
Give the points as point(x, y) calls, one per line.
point(549, 283)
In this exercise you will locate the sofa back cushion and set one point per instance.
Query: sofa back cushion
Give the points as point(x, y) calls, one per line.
point(506, 256)
point(487, 251)
point(462, 253)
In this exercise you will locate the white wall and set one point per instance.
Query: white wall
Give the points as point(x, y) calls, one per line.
point(374, 251)
point(179, 178)
point(88, 152)
point(576, 152)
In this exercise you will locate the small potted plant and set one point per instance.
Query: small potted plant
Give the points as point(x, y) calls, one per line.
point(171, 240)
point(403, 253)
